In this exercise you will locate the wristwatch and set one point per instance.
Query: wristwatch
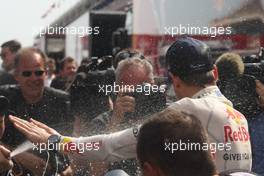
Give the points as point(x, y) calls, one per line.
point(58, 161)
point(53, 142)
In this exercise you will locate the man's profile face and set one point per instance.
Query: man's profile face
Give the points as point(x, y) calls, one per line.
point(7, 57)
point(31, 74)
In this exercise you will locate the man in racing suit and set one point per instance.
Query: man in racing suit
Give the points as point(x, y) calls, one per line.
point(194, 80)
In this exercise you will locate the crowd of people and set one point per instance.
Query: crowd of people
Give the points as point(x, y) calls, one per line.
point(218, 111)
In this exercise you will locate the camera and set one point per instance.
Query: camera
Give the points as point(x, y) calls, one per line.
point(150, 100)
point(254, 65)
point(241, 91)
point(86, 99)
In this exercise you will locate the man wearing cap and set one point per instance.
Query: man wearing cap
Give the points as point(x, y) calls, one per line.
point(194, 79)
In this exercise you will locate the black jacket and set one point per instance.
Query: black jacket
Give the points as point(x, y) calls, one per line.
point(6, 78)
point(53, 110)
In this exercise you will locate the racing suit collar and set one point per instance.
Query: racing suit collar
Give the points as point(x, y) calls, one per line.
point(213, 92)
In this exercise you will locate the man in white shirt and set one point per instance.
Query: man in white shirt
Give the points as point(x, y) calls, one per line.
point(194, 79)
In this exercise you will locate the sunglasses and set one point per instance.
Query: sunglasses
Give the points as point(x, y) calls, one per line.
point(29, 73)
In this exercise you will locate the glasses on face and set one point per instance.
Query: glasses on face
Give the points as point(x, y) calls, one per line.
point(37, 73)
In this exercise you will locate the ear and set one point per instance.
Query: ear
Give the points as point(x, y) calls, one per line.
point(150, 170)
point(175, 80)
point(215, 72)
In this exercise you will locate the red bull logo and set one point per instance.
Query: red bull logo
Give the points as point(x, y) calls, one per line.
point(234, 115)
point(231, 135)
point(235, 133)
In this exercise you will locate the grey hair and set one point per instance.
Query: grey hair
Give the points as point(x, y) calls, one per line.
point(134, 61)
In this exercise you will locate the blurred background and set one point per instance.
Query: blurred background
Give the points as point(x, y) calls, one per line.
point(130, 23)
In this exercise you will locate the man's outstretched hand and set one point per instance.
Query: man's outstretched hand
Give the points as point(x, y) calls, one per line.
point(35, 131)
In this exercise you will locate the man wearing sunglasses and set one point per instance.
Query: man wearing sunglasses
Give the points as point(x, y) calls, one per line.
point(31, 99)
point(8, 52)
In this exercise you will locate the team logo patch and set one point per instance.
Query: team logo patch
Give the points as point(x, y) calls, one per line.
point(234, 115)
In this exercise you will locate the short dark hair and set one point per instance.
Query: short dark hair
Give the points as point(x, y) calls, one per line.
point(13, 45)
point(25, 51)
point(199, 79)
point(172, 125)
point(66, 60)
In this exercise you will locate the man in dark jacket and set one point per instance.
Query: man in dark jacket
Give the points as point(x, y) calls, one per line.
point(30, 99)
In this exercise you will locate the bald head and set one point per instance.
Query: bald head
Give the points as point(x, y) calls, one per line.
point(26, 54)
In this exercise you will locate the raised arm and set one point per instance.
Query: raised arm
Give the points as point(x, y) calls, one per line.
point(106, 147)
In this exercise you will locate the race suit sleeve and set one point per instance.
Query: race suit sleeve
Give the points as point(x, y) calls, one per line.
point(106, 147)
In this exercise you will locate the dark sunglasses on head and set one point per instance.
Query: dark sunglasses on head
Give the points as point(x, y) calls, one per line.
point(29, 73)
